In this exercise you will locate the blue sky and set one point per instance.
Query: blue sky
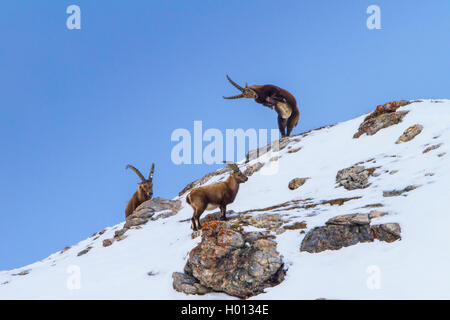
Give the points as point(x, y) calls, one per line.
point(78, 105)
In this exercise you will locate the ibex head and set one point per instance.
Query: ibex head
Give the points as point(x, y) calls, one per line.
point(147, 184)
point(236, 173)
point(246, 92)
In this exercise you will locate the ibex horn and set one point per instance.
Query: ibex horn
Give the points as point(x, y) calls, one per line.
point(235, 84)
point(136, 171)
point(150, 176)
point(235, 97)
point(233, 166)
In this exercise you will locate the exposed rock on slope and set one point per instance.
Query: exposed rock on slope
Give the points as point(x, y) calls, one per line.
point(347, 230)
point(239, 264)
point(384, 116)
point(410, 133)
point(354, 177)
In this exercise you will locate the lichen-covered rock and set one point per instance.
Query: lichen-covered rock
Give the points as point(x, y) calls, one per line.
point(410, 133)
point(384, 116)
point(354, 177)
point(347, 230)
point(234, 262)
point(388, 232)
point(334, 237)
point(296, 183)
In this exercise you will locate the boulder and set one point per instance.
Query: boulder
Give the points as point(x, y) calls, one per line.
point(396, 193)
point(388, 232)
point(384, 116)
point(347, 230)
point(230, 261)
point(354, 177)
point(187, 284)
point(148, 209)
point(296, 183)
point(410, 133)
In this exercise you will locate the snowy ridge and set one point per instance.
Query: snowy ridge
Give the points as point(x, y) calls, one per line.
point(414, 267)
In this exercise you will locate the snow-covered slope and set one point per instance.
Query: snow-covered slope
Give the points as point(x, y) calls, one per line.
point(414, 267)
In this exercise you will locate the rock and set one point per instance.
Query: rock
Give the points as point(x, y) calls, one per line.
point(384, 116)
point(388, 232)
point(376, 214)
point(294, 150)
point(224, 262)
point(350, 219)
point(83, 252)
point(334, 237)
point(354, 177)
point(347, 230)
point(296, 183)
point(410, 133)
point(188, 284)
point(250, 170)
point(108, 242)
point(22, 273)
point(434, 147)
point(395, 193)
point(147, 210)
point(64, 250)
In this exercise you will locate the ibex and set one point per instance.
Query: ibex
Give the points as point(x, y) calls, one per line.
point(273, 97)
point(143, 193)
point(214, 196)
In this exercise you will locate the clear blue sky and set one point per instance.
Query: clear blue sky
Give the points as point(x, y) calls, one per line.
point(78, 105)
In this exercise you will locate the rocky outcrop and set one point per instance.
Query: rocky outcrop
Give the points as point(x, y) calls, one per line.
point(145, 212)
point(148, 209)
point(410, 133)
point(296, 183)
point(226, 260)
point(384, 116)
point(347, 230)
point(354, 177)
point(273, 146)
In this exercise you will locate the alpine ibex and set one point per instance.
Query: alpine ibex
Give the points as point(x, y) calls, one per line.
point(217, 195)
point(144, 191)
point(273, 97)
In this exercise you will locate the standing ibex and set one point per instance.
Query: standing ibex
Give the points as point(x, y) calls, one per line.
point(217, 195)
point(144, 191)
point(273, 97)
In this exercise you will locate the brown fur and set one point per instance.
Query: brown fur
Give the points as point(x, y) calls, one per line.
point(270, 95)
point(143, 193)
point(275, 98)
point(218, 195)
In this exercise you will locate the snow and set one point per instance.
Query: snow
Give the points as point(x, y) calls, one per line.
point(415, 267)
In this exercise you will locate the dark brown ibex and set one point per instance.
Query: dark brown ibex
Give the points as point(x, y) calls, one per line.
point(217, 195)
point(144, 191)
point(273, 97)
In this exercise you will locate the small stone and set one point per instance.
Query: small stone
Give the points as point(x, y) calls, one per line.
point(436, 146)
point(350, 219)
point(108, 242)
point(388, 232)
point(83, 252)
point(376, 214)
point(410, 133)
point(250, 170)
point(296, 183)
point(395, 193)
point(354, 177)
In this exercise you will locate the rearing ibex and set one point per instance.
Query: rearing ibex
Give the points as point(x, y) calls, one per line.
point(217, 195)
point(144, 191)
point(273, 97)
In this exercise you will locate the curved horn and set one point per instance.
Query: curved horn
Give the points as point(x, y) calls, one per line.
point(150, 176)
point(233, 166)
point(136, 171)
point(235, 84)
point(235, 97)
